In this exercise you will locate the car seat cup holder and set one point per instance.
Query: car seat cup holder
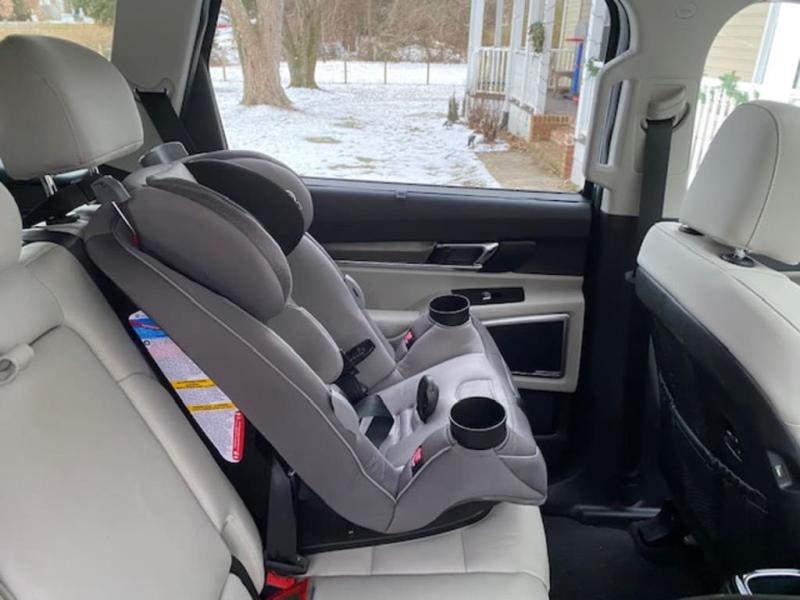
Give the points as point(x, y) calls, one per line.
point(450, 310)
point(478, 423)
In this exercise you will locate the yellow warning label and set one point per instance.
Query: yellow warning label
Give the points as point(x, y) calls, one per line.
point(189, 384)
point(216, 406)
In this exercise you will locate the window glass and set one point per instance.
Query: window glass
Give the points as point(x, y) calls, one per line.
point(407, 91)
point(86, 22)
point(755, 56)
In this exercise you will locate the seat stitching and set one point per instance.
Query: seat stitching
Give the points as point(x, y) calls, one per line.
point(27, 266)
point(463, 550)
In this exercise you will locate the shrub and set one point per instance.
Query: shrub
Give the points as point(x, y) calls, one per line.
point(486, 118)
point(536, 33)
point(452, 109)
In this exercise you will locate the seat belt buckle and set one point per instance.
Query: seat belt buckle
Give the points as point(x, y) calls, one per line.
point(358, 353)
point(300, 590)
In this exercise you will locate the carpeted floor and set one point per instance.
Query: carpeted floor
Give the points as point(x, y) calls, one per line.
point(602, 563)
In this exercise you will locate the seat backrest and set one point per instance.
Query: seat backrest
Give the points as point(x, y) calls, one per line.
point(727, 337)
point(284, 207)
point(106, 489)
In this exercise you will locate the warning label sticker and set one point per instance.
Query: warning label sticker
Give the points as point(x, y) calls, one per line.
point(216, 415)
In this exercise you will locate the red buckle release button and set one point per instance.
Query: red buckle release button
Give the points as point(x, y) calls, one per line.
point(408, 338)
point(299, 591)
point(281, 582)
point(416, 460)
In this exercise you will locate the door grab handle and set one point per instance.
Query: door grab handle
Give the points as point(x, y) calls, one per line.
point(484, 252)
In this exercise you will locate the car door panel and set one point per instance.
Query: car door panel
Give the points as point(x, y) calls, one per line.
point(395, 296)
point(524, 252)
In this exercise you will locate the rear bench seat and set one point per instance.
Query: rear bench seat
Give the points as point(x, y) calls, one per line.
point(107, 492)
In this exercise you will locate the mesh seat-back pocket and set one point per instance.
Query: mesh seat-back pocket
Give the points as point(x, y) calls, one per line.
point(729, 516)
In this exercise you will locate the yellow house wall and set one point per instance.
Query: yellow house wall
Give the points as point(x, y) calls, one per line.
point(737, 45)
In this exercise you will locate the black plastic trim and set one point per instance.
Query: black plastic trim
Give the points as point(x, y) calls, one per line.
point(357, 211)
point(322, 530)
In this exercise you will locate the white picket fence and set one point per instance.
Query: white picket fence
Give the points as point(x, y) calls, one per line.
point(715, 104)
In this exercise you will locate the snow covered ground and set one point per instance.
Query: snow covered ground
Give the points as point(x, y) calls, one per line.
point(364, 129)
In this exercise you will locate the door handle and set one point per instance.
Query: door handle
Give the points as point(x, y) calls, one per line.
point(473, 255)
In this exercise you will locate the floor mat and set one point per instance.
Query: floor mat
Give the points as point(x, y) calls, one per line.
point(602, 563)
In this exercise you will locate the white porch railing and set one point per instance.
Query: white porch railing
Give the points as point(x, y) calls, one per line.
point(715, 104)
point(521, 79)
point(563, 59)
point(489, 71)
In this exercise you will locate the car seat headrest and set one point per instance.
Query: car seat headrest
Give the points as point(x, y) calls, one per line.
point(207, 238)
point(263, 188)
point(10, 229)
point(62, 108)
point(744, 194)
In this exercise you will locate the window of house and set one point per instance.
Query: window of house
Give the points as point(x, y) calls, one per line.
point(86, 22)
point(755, 56)
point(487, 94)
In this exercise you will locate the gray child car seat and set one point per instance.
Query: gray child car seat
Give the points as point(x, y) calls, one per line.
point(209, 274)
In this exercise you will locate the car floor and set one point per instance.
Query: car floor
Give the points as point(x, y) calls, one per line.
point(602, 563)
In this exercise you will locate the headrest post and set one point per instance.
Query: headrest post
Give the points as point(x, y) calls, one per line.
point(49, 185)
point(738, 257)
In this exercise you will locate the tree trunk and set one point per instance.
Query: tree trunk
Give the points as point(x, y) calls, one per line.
point(258, 37)
point(302, 32)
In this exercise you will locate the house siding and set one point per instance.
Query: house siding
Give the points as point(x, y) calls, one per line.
point(738, 43)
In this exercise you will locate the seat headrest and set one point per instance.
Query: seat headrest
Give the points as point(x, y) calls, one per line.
point(62, 108)
point(10, 229)
point(745, 194)
point(210, 240)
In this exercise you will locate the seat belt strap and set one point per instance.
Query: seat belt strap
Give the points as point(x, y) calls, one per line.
point(167, 122)
point(240, 572)
point(657, 145)
point(382, 420)
point(658, 141)
point(280, 534)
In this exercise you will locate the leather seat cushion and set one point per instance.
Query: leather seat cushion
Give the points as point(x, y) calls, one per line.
point(504, 554)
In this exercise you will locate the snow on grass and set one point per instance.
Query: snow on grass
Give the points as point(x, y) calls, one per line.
point(364, 130)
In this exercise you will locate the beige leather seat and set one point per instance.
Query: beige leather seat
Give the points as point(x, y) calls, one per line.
point(727, 341)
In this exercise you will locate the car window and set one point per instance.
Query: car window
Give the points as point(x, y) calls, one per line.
point(755, 56)
point(436, 92)
point(86, 22)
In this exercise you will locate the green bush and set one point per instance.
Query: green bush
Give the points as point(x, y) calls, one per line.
point(536, 33)
point(101, 11)
point(452, 109)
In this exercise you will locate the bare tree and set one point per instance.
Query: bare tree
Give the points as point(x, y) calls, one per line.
point(302, 33)
point(257, 25)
